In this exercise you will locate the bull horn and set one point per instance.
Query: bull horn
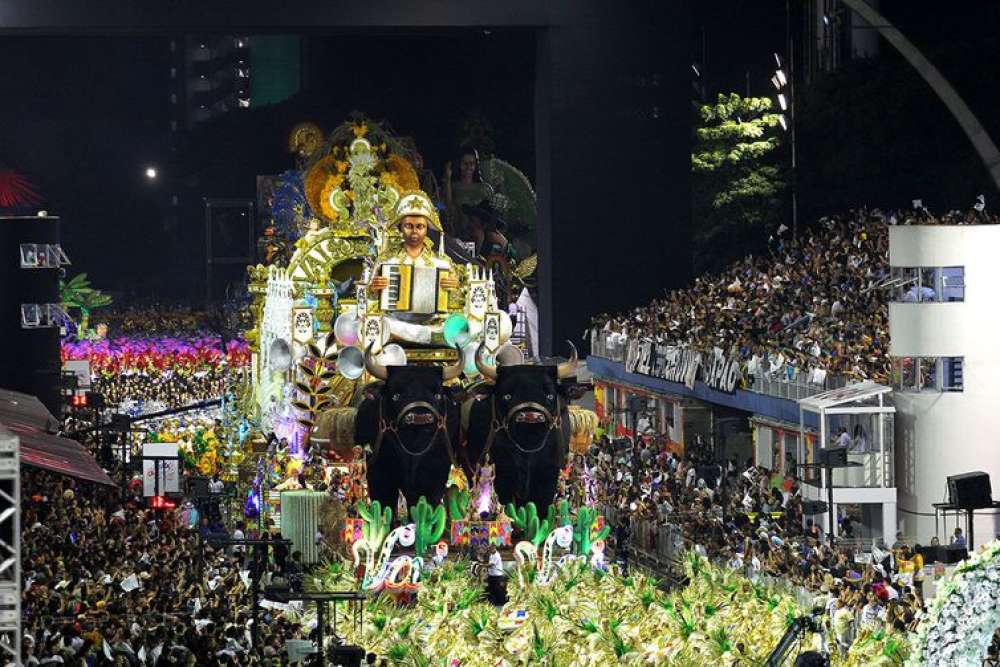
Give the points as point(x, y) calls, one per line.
point(453, 371)
point(489, 372)
point(374, 368)
point(568, 368)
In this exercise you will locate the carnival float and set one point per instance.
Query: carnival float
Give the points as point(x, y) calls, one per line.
point(378, 340)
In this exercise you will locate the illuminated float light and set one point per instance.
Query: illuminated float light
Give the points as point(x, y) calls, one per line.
point(162, 503)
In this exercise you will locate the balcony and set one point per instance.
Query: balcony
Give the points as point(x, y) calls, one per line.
point(793, 386)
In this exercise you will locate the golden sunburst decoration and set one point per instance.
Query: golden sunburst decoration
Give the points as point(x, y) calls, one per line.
point(334, 202)
point(403, 173)
point(316, 180)
point(305, 139)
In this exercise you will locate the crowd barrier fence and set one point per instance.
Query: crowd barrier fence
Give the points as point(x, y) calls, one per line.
point(659, 547)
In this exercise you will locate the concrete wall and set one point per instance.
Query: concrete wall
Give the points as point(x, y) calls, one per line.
point(942, 434)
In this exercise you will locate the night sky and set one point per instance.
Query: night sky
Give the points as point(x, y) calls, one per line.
point(83, 116)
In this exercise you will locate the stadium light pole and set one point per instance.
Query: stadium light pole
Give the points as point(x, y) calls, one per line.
point(786, 103)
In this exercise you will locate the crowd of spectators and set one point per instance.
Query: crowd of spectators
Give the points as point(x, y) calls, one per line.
point(109, 581)
point(752, 520)
point(153, 319)
point(816, 302)
point(149, 391)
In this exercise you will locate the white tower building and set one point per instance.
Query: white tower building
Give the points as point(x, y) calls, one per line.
point(944, 323)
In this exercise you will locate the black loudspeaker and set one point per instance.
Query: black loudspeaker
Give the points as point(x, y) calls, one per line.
point(835, 457)
point(30, 361)
point(970, 490)
point(932, 554)
point(348, 655)
point(197, 487)
point(953, 554)
point(120, 423)
point(709, 473)
point(813, 507)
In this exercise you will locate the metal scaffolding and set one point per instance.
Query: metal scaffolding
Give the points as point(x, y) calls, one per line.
point(10, 547)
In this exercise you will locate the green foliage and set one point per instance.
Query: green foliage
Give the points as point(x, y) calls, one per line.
point(546, 606)
point(558, 515)
point(478, 622)
point(398, 652)
point(722, 641)
point(737, 183)
point(458, 504)
point(468, 597)
point(583, 538)
point(76, 293)
point(526, 519)
point(429, 522)
point(377, 520)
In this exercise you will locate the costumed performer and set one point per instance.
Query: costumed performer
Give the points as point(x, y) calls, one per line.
point(415, 214)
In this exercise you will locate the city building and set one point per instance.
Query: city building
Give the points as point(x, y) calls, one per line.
point(211, 75)
point(833, 35)
point(946, 366)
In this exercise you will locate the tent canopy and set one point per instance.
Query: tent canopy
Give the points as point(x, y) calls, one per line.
point(26, 409)
point(26, 418)
point(854, 393)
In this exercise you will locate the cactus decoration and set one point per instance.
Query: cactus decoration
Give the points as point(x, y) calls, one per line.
point(559, 515)
point(458, 504)
point(378, 520)
point(583, 537)
point(534, 528)
point(527, 521)
point(429, 523)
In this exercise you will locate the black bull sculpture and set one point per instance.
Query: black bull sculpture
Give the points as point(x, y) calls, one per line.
point(519, 422)
point(412, 422)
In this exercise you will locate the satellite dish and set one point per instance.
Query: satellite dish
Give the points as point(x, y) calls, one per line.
point(280, 355)
point(392, 355)
point(351, 363)
point(509, 355)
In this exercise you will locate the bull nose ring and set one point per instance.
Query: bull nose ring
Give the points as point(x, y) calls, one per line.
point(418, 418)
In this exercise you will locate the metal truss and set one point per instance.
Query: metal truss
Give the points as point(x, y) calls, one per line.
point(10, 548)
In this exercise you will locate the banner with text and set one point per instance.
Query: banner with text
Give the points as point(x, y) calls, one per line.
point(683, 365)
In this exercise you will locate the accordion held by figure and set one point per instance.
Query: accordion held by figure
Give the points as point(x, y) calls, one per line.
point(413, 289)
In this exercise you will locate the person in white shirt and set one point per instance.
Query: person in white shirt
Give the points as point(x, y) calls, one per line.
point(844, 438)
point(860, 443)
point(871, 612)
point(238, 534)
point(215, 485)
point(495, 578)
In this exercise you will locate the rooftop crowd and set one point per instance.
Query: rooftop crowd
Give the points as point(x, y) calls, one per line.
point(817, 302)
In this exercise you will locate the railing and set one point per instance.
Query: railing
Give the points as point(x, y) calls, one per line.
point(779, 384)
point(656, 545)
point(658, 548)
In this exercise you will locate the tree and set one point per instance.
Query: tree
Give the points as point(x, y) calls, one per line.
point(737, 182)
point(77, 293)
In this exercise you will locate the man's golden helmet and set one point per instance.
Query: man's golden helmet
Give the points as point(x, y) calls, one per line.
point(416, 202)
